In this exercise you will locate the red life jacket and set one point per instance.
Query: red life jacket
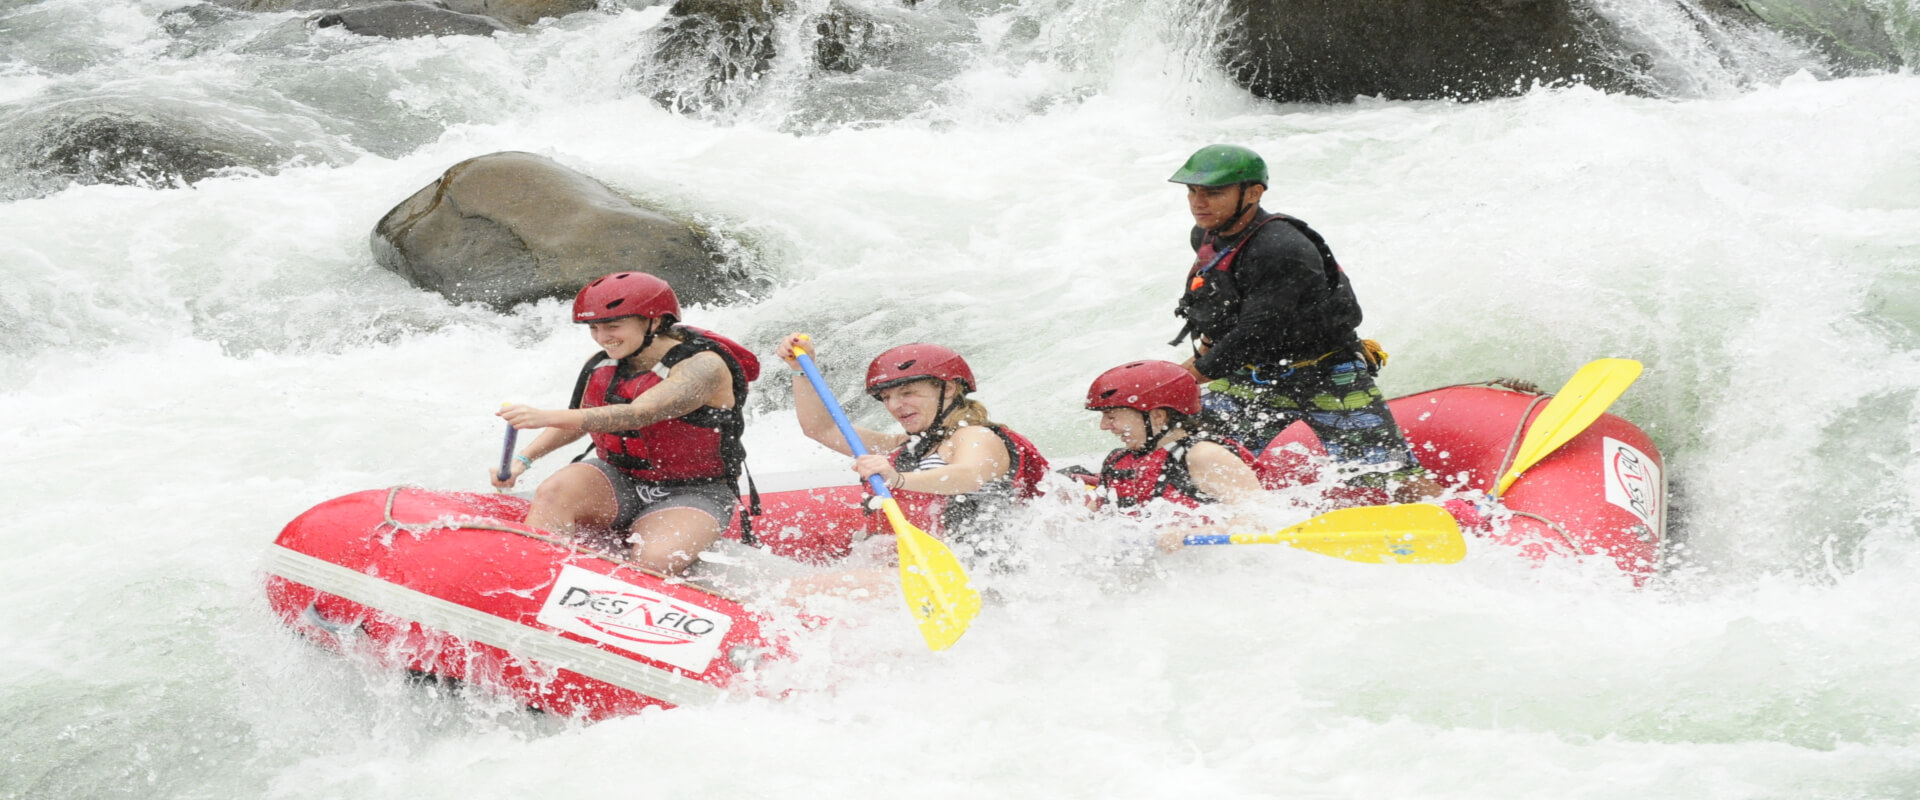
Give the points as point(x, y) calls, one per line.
point(700, 446)
point(938, 513)
point(1159, 474)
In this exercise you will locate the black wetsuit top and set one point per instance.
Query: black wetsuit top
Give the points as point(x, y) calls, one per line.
point(1283, 298)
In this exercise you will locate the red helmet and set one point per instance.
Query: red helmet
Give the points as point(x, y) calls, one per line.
point(625, 294)
point(913, 362)
point(1145, 386)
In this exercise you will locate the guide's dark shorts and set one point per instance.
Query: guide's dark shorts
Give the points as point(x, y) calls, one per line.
point(1338, 401)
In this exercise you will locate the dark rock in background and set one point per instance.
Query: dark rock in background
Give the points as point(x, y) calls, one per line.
point(1330, 51)
point(710, 54)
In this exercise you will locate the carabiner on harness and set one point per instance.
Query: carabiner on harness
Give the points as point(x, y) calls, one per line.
point(1253, 374)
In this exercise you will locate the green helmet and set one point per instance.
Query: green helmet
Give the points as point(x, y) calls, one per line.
point(1222, 165)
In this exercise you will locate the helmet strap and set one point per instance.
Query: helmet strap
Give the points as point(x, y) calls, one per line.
point(655, 330)
point(1153, 438)
point(632, 360)
point(1241, 206)
point(941, 411)
point(922, 443)
point(646, 340)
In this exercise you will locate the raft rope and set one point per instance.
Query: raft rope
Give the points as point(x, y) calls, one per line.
point(1513, 446)
point(1552, 526)
point(1519, 432)
point(393, 493)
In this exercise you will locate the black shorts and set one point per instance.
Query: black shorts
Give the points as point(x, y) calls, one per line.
point(1339, 401)
point(638, 498)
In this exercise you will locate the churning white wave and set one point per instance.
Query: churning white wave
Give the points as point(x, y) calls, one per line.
point(185, 368)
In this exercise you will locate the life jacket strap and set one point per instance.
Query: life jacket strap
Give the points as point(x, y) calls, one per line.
point(752, 510)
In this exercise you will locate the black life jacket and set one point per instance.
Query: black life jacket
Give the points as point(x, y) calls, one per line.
point(1210, 302)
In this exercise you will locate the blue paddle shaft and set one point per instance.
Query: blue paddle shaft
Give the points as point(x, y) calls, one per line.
point(506, 453)
point(1209, 538)
point(839, 418)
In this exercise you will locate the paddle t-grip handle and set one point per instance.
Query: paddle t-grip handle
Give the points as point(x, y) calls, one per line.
point(839, 417)
point(506, 453)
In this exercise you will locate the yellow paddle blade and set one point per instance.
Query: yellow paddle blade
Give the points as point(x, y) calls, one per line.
point(938, 593)
point(1415, 533)
point(1585, 397)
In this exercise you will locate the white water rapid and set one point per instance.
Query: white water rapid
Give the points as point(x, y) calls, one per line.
point(185, 368)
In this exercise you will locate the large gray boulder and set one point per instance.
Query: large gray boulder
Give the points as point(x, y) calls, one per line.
point(511, 227)
point(1330, 51)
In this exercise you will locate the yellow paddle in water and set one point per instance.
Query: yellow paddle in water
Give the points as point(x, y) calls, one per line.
point(1585, 397)
point(1415, 533)
point(938, 593)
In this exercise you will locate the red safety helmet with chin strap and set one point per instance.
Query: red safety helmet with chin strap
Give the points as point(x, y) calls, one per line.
point(1145, 386)
point(915, 362)
point(625, 294)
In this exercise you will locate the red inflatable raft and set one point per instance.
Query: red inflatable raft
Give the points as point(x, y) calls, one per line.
point(451, 584)
point(1603, 493)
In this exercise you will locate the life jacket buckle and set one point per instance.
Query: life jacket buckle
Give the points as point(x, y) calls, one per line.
point(1375, 356)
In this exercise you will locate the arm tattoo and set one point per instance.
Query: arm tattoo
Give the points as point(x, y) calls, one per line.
point(684, 391)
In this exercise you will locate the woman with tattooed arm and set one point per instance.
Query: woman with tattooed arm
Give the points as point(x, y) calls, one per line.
point(662, 403)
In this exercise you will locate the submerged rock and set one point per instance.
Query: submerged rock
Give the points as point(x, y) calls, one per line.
point(147, 141)
point(519, 12)
point(512, 227)
point(516, 13)
point(1853, 36)
point(408, 20)
point(274, 6)
point(184, 19)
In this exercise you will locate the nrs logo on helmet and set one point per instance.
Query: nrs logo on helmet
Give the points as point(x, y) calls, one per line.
point(625, 294)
